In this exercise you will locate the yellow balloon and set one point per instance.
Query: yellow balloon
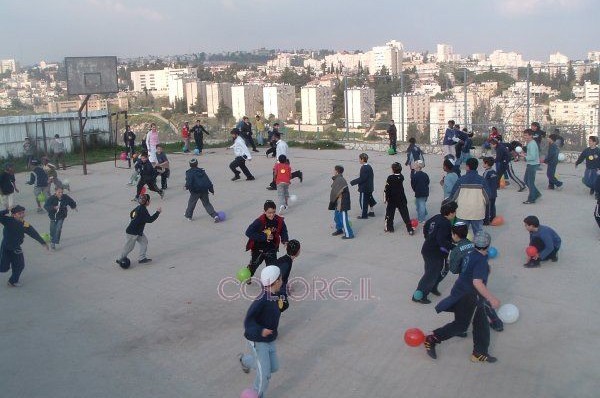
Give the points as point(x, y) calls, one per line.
point(267, 232)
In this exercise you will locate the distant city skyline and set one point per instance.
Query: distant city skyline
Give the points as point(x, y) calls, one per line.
point(39, 30)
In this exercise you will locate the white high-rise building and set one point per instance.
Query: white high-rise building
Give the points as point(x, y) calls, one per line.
point(195, 91)
point(505, 59)
point(8, 65)
point(445, 53)
point(317, 104)
point(389, 56)
point(246, 100)
point(217, 94)
point(279, 101)
point(593, 56)
point(439, 114)
point(416, 110)
point(361, 106)
point(558, 59)
point(176, 80)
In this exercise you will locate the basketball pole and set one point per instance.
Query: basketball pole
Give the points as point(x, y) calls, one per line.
point(81, 127)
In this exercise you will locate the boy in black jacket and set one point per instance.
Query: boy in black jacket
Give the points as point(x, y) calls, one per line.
point(264, 236)
point(365, 182)
point(135, 231)
point(11, 254)
point(199, 185)
point(597, 189)
point(491, 177)
point(396, 199)
point(435, 250)
point(260, 329)
point(147, 176)
point(198, 130)
point(56, 206)
point(285, 266)
point(591, 155)
point(419, 182)
point(552, 161)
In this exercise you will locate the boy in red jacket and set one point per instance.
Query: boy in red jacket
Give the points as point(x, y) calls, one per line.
point(282, 172)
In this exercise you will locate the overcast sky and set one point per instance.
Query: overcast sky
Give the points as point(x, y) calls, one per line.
point(34, 30)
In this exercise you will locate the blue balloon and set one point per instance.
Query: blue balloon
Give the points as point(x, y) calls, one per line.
point(196, 151)
point(492, 252)
point(418, 295)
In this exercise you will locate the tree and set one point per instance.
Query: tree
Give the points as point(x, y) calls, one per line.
point(180, 105)
point(571, 78)
point(591, 76)
point(204, 74)
point(224, 114)
point(199, 106)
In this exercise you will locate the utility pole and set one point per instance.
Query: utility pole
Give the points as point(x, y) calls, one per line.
point(528, 94)
point(465, 95)
point(346, 107)
point(402, 105)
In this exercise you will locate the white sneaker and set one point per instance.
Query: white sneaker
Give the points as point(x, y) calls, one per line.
point(282, 208)
point(188, 218)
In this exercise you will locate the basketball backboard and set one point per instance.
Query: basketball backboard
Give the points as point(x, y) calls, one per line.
point(91, 75)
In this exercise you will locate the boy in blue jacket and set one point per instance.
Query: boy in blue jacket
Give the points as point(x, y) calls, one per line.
point(544, 239)
point(491, 177)
point(413, 153)
point(366, 186)
point(591, 155)
point(260, 329)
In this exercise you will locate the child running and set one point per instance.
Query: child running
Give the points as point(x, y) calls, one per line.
point(147, 176)
point(39, 179)
point(199, 185)
point(264, 236)
point(56, 206)
point(282, 172)
point(466, 301)
point(285, 266)
point(419, 182)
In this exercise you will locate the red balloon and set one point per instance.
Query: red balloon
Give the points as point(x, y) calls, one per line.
point(531, 251)
point(414, 337)
point(498, 220)
point(414, 223)
point(143, 190)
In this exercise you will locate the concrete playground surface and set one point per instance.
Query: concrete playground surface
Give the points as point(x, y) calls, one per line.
point(82, 327)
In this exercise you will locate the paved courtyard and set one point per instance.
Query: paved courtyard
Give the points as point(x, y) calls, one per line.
point(82, 327)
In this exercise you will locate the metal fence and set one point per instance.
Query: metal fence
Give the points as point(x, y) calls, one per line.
point(42, 128)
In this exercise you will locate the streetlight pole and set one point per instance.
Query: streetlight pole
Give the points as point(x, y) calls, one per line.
point(528, 94)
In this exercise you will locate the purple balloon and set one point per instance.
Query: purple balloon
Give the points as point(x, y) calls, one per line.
point(249, 393)
point(222, 215)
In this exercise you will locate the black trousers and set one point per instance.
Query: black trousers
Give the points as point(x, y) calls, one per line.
point(272, 149)
point(393, 143)
point(249, 140)
point(12, 259)
point(465, 310)
point(390, 211)
point(539, 245)
point(151, 186)
point(258, 256)
point(513, 176)
point(129, 150)
point(199, 142)
point(597, 214)
point(164, 177)
point(434, 263)
point(366, 199)
point(490, 210)
point(241, 163)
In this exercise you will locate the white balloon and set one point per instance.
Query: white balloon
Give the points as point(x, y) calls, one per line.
point(293, 198)
point(508, 313)
point(561, 157)
point(518, 149)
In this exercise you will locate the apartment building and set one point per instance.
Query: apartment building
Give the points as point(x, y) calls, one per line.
point(217, 94)
point(280, 101)
point(416, 110)
point(361, 106)
point(194, 91)
point(317, 104)
point(246, 100)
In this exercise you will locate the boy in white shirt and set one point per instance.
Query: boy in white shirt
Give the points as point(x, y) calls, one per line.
point(242, 154)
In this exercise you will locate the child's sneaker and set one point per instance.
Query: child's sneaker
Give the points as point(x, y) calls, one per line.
point(497, 325)
point(532, 263)
point(217, 219)
point(411, 232)
point(245, 369)
point(282, 208)
point(430, 342)
point(475, 357)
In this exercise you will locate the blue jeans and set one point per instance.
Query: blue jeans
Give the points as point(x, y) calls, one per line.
point(551, 173)
point(421, 204)
point(530, 182)
point(56, 230)
point(263, 358)
point(476, 225)
point(589, 177)
point(342, 223)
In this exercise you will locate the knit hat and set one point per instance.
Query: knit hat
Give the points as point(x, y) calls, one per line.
point(269, 275)
point(482, 240)
point(194, 162)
